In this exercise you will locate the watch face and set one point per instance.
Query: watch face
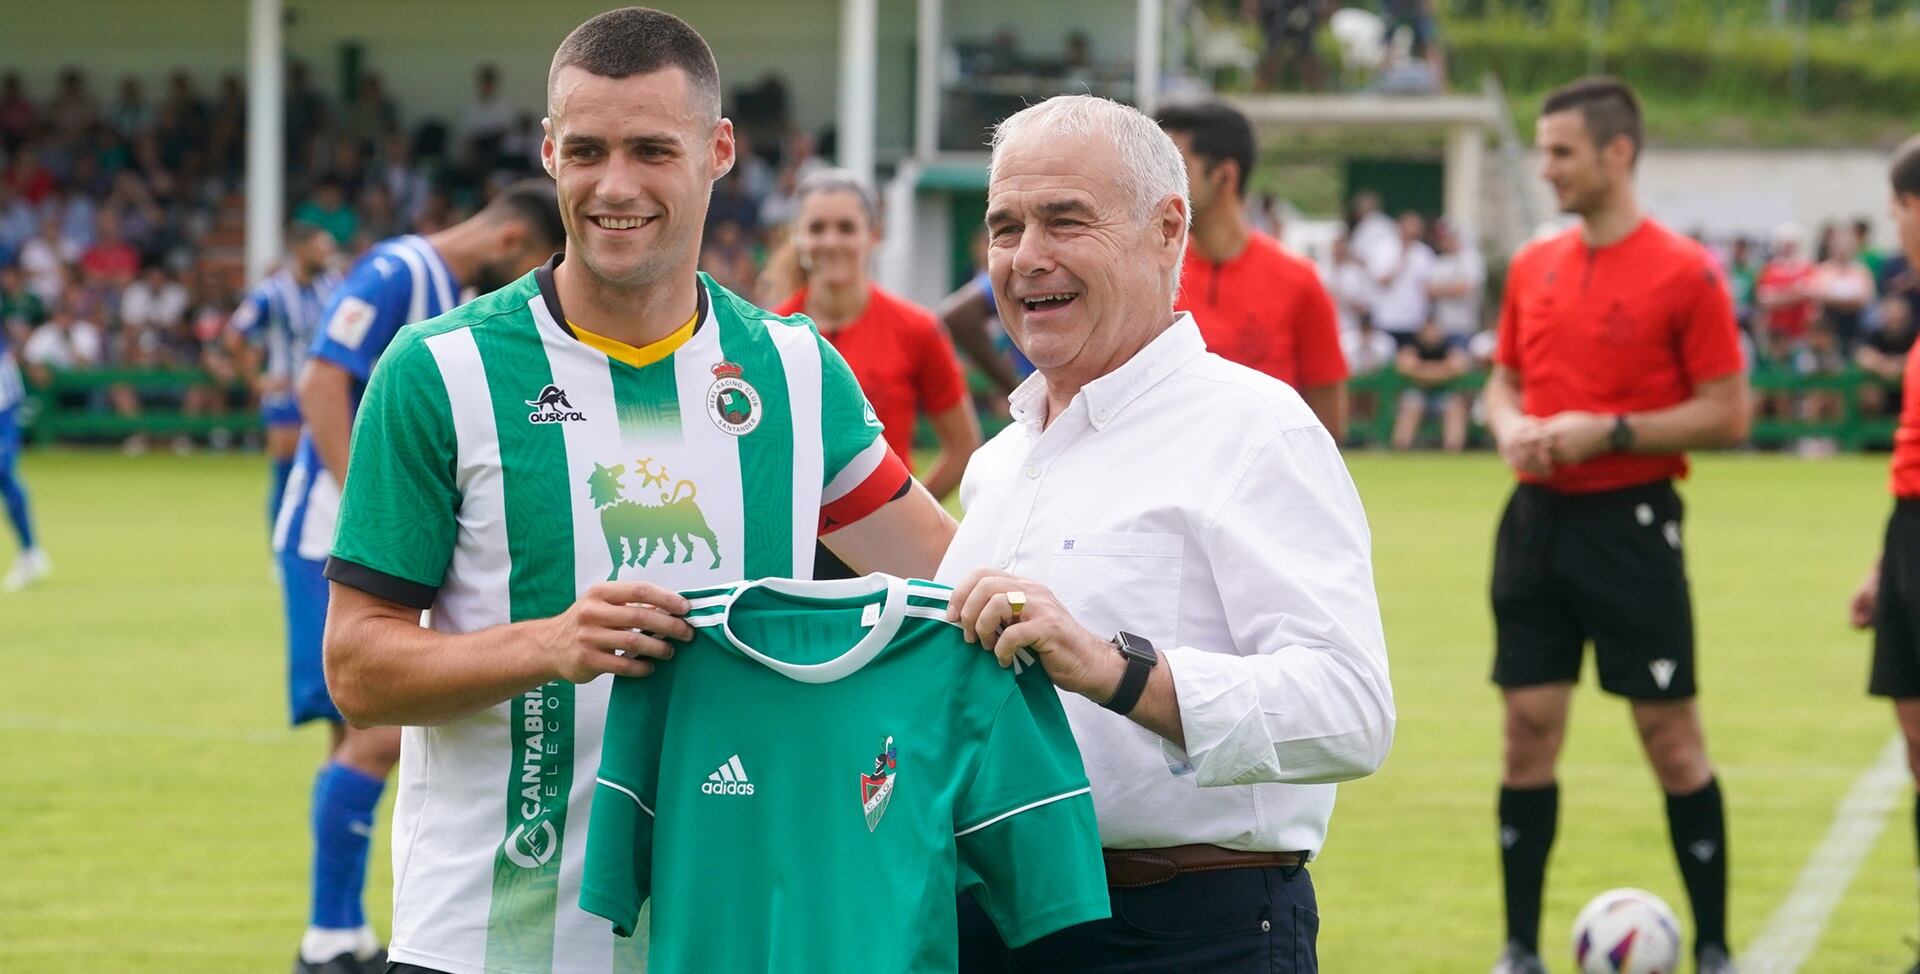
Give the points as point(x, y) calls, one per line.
point(1136, 648)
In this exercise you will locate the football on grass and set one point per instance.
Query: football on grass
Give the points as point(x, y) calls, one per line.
point(1626, 931)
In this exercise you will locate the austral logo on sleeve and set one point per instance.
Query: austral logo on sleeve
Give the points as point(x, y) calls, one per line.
point(876, 786)
point(551, 406)
point(732, 404)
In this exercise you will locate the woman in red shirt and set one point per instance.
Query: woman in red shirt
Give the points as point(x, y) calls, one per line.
point(903, 360)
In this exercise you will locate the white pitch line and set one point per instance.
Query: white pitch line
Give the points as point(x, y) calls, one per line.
point(1793, 930)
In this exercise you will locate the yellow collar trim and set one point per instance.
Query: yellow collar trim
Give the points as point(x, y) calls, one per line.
point(644, 355)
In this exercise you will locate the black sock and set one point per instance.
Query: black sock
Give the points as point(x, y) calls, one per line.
point(1698, 825)
point(1528, 817)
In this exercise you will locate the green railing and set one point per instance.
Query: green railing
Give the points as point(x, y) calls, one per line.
point(73, 406)
point(1852, 430)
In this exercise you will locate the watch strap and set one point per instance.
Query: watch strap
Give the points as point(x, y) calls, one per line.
point(1621, 437)
point(1132, 683)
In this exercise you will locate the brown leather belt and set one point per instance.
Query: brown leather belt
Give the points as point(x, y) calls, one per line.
point(1134, 868)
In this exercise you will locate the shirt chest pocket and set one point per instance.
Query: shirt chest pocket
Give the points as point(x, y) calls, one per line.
point(1121, 580)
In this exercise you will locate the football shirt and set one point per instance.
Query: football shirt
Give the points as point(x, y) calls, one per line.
point(396, 283)
point(1265, 309)
point(1635, 326)
point(808, 784)
point(501, 466)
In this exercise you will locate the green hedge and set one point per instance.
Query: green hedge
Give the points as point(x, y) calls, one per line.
point(1866, 67)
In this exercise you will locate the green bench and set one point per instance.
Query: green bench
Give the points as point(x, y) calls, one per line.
point(49, 420)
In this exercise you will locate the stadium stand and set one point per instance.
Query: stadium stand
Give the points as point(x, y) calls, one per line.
point(122, 216)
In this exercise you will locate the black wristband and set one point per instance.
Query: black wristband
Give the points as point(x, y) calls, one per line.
point(1621, 438)
point(1141, 658)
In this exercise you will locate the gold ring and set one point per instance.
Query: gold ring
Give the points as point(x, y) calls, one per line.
point(1016, 602)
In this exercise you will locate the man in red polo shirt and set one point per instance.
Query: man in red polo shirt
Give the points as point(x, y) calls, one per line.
point(1617, 352)
point(1255, 303)
point(1889, 599)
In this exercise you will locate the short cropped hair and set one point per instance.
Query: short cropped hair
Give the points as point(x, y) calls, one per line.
point(1150, 165)
point(1219, 133)
point(639, 40)
point(1905, 171)
point(533, 203)
point(1608, 105)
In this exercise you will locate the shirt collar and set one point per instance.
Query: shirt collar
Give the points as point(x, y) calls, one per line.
point(1109, 394)
point(550, 296)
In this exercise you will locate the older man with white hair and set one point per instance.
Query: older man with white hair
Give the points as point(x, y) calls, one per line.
point(1176, 540)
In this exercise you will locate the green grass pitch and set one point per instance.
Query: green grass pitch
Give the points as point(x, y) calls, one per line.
point(155, 809)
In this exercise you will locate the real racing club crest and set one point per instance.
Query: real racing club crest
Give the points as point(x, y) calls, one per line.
point(733, 404)
point(876, 786)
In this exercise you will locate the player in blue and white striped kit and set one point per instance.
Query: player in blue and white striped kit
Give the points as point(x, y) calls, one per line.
point(396, 283)
point(31, 564)
point(276, 322)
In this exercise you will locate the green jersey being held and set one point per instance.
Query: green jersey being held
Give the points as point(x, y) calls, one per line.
point(808, 785)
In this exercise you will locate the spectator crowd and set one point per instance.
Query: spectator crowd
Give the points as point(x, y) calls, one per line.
point(121, 226)
point(1415, 299)
point(122, 220)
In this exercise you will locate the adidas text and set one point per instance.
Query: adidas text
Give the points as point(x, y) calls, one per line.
point(730, 779)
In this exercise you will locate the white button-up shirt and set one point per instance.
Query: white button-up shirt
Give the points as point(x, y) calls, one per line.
point(1199, 504)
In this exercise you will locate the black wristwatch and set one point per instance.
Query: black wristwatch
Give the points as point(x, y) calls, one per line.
point(1621, 439)
point(1140, 657)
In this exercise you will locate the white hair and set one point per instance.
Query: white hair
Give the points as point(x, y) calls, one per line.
point(1151, 167)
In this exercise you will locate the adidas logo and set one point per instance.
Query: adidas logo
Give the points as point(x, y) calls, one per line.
point(731, 779)
point(1663, 670)
point(1703, 850)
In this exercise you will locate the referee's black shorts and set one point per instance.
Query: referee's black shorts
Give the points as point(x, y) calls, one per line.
point(1606, 567)
point(1896, 614)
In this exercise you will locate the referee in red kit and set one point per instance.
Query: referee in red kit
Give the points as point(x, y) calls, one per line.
point(1617, 351)
point(1889, 599)
point(1256, 303)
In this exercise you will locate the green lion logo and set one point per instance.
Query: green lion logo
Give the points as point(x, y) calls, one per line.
point(634, 530)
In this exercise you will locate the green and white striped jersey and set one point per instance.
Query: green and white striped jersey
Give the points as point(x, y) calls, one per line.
point(499, 468)
point(810, 783)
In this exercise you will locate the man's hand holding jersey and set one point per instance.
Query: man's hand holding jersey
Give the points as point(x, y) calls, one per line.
point(615, 627)
point(1075, 659)
point(1005, 615)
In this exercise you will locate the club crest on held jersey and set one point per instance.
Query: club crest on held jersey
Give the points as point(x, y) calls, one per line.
point(733, 405)
point(876, 787)
point(551, 406)
point(636, 529)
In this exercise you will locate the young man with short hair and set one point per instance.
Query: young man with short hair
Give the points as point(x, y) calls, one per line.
point(1617, 352)
point(1255, 303)
point(518, 467)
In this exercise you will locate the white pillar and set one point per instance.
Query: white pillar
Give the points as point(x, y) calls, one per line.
point(1466, 144)
point(929, 35)
point(859, 37)
point(266, 137)
point(1146, 54)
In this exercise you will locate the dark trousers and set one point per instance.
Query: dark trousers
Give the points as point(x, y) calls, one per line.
point(1231, 921)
